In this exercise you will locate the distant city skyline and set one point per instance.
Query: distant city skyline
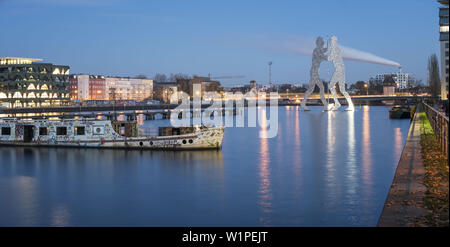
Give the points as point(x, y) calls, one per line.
point(128, 38)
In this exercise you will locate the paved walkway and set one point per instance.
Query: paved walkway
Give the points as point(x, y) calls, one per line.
point(404, 203)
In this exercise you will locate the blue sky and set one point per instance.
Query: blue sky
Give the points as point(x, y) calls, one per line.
point(126, 38)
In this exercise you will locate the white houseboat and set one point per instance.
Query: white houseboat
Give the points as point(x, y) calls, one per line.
point(105, 134)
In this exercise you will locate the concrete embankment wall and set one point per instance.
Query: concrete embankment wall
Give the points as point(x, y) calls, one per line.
point(405, 201)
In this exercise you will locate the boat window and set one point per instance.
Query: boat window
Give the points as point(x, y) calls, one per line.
point(176, 131)
point(43, 131)
point(98, 130)
point(61, 131)
point(122, 130)
point(80, 130)
point(6, 131)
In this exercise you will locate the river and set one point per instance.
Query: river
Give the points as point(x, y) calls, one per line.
point(322, 169)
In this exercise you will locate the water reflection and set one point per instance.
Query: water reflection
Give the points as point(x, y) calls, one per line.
point(45, 181)
point(264, 191)
point(366, 148)
point(351, 168)
point(60, 216)
point(351, 137)
point(323, 169)
point(330, 168)
point(297, 154)
point(367, 186)
point(398, 139)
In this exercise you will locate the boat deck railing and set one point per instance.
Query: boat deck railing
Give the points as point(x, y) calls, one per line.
point(20, 120)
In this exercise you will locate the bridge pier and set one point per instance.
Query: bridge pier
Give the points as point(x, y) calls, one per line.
point(112, 117)
point(131, 117)
point(166, 115)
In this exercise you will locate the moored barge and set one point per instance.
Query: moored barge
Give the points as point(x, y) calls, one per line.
point(400, 112)
point(105, 134)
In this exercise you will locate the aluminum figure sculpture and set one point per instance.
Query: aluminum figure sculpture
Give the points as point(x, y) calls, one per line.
point(317, 57)
point(338, 74)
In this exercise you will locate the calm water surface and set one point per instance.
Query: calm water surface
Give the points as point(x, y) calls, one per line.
point(322, 169)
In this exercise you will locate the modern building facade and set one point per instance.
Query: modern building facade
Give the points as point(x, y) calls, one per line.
point(87, 87)
point(125, 88)
point(402, 80)
point(443, 38)
point(98, 87)
point(25, 82)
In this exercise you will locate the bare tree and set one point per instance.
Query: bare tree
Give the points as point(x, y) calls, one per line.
point(141, 76)
point(160, 78)
point(434, 80)
point(179, 76)
point(418, 82)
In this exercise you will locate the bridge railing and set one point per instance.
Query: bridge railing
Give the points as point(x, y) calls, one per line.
point(439, 123)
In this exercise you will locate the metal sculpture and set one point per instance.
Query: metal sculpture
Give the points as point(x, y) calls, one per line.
point(317, 57)
point(338, 75)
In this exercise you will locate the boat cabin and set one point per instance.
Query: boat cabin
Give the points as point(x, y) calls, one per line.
point(173, 131)
point(125, 128)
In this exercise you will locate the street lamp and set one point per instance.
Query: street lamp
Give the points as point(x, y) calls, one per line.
point(367, 88)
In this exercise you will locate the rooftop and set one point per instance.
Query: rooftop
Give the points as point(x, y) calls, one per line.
point(18, 60)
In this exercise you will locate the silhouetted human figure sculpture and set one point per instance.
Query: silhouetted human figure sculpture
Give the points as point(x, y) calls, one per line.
point(317, 57)
point(338, 74)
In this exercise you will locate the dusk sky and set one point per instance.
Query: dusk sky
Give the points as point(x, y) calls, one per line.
point(127, 38)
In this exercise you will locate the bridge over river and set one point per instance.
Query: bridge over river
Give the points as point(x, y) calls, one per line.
point(292, 97)
point(357, 99)
point(130, 113)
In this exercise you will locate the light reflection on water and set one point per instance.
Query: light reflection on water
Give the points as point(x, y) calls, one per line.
point(265, 187)
point(323, 169)
point(366, 149)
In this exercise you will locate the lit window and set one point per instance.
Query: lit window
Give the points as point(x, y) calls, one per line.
point(80, 130)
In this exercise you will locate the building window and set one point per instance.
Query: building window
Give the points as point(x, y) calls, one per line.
point(43, 131)
point(80, 131)
point(6, 131)
point(61, 131)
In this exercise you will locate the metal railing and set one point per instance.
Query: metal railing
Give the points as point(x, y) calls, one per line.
point(439, 123)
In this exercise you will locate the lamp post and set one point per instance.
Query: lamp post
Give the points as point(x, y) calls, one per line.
point(367, 88)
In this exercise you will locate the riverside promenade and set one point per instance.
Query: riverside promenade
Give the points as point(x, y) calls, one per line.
point(405, 202)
